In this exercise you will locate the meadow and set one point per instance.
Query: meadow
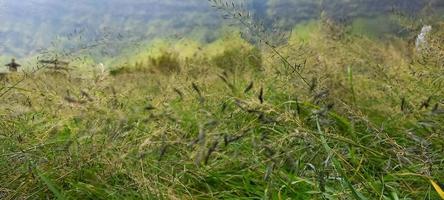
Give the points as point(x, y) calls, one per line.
point(328, 115)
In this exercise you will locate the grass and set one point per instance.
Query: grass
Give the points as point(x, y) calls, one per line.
point(209, 132)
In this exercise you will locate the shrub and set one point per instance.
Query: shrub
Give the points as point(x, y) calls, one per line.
point(238, 59)
point(166, 63)
point(118, 71)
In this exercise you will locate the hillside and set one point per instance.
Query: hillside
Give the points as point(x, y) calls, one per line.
point(241, 123)
point(28, 26)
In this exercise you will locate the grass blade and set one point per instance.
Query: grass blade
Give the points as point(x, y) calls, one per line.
point(438, 189)
point(357, 195)
point(51, 185)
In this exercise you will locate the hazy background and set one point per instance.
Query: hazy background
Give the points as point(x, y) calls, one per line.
point(28, 26)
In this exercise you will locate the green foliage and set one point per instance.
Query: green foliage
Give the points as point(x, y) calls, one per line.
point(303, 32)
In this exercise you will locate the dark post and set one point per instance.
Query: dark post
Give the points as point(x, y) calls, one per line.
point(13, 66)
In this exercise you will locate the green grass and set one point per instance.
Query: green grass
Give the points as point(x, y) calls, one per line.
point(143, 134)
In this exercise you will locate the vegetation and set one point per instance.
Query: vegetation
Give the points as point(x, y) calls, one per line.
point(331, 114)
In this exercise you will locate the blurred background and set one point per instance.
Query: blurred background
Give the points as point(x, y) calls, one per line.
point(28, 27)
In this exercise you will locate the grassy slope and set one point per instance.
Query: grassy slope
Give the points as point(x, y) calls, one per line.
point(144, 135)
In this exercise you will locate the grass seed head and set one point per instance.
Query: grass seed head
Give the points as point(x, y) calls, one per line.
point(261, 95)
point(249, 87)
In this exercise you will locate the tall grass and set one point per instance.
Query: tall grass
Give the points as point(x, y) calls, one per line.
point(204, 132)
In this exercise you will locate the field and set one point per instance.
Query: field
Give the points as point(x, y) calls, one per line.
point(330, 115)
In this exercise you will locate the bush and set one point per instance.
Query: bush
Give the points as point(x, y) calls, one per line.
point(166, 63)
point(238, 59)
